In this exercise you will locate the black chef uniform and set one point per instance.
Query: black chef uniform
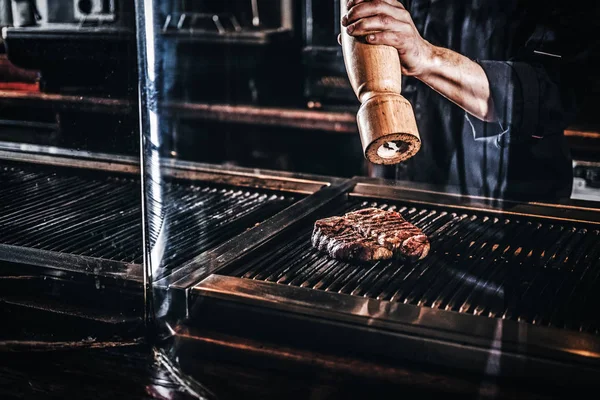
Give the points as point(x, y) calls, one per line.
point(521, 47)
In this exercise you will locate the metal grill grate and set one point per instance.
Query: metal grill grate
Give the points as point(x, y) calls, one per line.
point(99, 216)
point(521, 268)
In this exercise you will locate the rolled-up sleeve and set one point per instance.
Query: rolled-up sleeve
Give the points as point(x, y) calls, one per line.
point(526, 100)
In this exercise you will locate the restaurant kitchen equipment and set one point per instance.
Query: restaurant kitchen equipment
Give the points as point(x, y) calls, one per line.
point(214, 255)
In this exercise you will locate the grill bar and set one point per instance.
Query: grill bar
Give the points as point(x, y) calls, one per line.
point(99, 215)
point(466, 296)
point(64, 215)
point(518, 267)
point(71, 214)
point(579, 258)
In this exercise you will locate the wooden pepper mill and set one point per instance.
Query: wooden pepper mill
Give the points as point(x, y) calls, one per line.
point(386, 121)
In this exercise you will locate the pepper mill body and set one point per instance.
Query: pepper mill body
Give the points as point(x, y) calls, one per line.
point(385, 119)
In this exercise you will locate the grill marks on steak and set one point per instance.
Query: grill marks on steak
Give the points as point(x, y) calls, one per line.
point(337, 237)
point(390, 229)
point(369, 234)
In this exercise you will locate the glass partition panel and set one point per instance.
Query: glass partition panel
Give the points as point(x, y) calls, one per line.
point(206, 70)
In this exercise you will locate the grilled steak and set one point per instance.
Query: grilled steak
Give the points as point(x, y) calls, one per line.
point(337, 237)
point(390, 229)
point(369, 234)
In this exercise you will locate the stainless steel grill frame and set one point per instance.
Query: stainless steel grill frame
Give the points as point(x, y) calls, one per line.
point(433, 322)
point(387, 324)
point(479, 264)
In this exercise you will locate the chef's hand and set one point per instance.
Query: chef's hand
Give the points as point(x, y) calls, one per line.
point(388, 23)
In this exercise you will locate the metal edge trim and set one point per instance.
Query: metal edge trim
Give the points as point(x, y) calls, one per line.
point(249, 241)
point(61, 161)
point(397, 185)
point(248, 181)
point(408, 319)
point(24, 148)
point(63, 263)
point(267, 179)
point(253, 172)
point(563, 212)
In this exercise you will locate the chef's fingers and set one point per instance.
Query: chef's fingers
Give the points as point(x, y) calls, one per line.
point(352, 3)
point(370, 9)
point(388, 38)
point(377, 23)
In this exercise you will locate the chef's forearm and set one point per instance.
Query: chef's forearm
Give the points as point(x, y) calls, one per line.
point(460, 80)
